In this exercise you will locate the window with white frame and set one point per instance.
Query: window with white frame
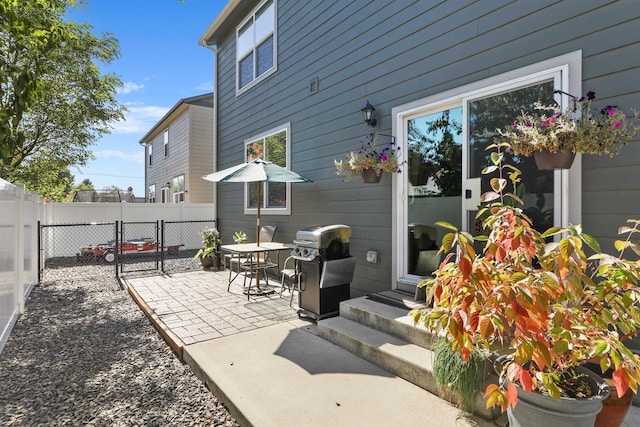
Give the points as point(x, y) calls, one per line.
point(166, 142)
point(256, 45)
point(178, 189)
point(152, 193)
point(150, 152)
point(164, 195)
point(272, 146)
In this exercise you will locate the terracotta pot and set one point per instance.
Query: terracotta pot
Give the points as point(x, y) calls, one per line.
point(206, 262)
point(614, 407)
point(370, 176)
point(546, 160)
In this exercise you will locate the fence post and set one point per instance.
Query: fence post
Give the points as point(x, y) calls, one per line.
point(39, 256)
point(116, 250)
point(161, 244)
point(19, 248)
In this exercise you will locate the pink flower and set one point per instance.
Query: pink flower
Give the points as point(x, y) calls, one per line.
point(384, 157)
point(616, 125)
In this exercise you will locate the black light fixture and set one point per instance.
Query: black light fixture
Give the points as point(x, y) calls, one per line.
point(367, 113)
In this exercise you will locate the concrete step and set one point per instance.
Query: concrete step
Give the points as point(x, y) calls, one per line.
point(406, 360)
point(388, 312)
point(384, 334)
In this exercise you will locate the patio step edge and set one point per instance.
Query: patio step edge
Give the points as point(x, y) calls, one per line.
point(406, 360)
point(390, 319)
point(409, 361)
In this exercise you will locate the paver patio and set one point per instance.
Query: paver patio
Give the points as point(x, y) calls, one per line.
point(196, 306)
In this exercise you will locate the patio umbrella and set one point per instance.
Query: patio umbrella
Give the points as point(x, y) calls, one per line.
point(257, 170)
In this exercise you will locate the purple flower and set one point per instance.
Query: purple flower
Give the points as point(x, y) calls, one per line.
point(591, 95)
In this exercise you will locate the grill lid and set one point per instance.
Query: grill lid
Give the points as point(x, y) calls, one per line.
point(321, 236)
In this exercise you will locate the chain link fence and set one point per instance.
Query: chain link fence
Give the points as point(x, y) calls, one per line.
point(123, 247)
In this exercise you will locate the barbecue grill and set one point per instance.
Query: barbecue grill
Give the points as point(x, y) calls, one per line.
point(325, 269)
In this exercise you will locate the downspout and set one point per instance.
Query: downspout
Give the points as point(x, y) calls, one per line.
point(146, 185)
point(215, 128)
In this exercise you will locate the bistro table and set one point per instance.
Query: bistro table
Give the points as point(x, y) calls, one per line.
point(251, 252)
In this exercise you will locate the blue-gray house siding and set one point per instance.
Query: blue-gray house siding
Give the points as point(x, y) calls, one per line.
point(395, 52)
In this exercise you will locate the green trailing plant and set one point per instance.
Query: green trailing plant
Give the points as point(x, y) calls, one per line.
point(460, 377)
point(548, 304)
point(210, 243)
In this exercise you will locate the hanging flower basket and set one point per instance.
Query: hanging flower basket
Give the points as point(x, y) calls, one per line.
point(578, 129)
point(370, 176)
point(372, 156)
point(546, 160)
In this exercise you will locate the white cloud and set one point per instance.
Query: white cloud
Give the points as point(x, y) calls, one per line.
point(139, 118)
point(128, 87)
point(134, 156)
point(208, 86)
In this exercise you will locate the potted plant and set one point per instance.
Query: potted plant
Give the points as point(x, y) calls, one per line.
point(239, 237)
point(551, 134)
point(545, 305)
point(210, 245)
point(371, 160)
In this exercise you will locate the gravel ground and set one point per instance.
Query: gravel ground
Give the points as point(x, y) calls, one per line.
point(84, 354)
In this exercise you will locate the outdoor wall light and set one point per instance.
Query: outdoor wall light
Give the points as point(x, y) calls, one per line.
point(367, 113)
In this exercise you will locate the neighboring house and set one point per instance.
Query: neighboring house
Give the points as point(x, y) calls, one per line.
point(107, 196)
point(179, 151)
point(292, 77)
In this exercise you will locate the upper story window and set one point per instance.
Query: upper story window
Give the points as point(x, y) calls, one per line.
point(150, 151)
point(255, 45)
point(273, 146)
point(166, 142)
point(178, 189)
point(152, 193)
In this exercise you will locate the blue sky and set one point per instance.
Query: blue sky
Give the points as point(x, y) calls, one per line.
point(160, 63)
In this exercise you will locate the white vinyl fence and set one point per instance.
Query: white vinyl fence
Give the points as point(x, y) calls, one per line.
point(19, 215)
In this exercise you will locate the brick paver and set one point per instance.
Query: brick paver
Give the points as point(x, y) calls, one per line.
point(195, 306)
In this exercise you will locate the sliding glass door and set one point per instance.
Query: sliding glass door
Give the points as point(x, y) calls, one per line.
point(445, 151)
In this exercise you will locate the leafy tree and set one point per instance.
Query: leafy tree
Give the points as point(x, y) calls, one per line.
point(85, 185)
point(54, 100)
point(46, 176)
point(435, 153)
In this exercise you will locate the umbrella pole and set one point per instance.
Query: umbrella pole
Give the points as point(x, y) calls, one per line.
point(258, 239)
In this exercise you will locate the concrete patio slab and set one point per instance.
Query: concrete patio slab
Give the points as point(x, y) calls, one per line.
point(271, 369)
point(285, 375)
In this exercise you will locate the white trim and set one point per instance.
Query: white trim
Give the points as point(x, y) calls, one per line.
point(569, 207)
point(274, 68)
